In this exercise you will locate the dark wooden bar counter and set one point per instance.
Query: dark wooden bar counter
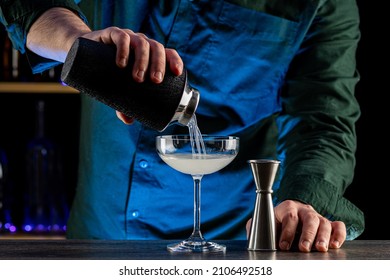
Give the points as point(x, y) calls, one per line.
point(16, 249)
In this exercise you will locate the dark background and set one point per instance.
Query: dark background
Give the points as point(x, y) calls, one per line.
point(369, 190)
point(370, 187)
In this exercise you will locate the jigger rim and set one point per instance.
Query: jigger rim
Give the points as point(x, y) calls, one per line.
point(264, 161)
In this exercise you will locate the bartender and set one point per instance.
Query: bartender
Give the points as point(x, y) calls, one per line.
point(281, 76)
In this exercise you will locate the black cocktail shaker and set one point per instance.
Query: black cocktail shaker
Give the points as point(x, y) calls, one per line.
point(90, 68)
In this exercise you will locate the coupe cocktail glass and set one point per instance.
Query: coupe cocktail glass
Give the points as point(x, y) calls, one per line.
point(197, 157)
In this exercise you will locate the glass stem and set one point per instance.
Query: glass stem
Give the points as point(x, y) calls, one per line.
point(196, 234)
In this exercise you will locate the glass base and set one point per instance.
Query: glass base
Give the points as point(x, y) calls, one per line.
point(189, 246)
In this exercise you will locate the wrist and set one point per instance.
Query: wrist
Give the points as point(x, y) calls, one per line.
point(54, 32)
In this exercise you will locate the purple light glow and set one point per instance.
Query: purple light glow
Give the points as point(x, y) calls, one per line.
point(27, 228)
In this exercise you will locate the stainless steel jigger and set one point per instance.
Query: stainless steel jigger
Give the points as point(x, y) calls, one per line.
point(262, 236)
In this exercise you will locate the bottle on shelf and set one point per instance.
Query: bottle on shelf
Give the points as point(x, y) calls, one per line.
point(7, 224)
point(45, 204)
point(6, 52)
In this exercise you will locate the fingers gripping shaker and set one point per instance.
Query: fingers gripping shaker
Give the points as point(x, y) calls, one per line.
point(90, 68)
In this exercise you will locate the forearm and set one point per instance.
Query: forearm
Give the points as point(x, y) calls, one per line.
point(320, 109)
point(320, 112)
point(54, 32)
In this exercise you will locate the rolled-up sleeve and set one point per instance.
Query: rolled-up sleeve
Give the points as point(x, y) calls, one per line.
point(18, 15)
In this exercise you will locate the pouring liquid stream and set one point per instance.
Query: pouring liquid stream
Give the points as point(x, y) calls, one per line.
point(198, 148)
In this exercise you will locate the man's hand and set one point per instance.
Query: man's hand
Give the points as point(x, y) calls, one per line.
point(296, 219)
point(150, 56)
point(54, 32)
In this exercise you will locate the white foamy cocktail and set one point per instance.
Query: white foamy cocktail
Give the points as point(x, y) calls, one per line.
point(198, 164)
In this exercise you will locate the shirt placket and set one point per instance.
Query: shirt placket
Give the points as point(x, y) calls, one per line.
point(142, 185)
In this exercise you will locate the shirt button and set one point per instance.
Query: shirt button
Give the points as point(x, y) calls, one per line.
point(143, 164)
point(135, 214)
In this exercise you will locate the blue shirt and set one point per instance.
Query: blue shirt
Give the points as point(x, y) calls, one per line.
point(279, 75)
